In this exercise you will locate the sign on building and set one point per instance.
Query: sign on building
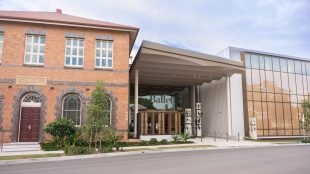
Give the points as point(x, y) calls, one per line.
point(253, 132)
point(198, 119)
point(188, 121)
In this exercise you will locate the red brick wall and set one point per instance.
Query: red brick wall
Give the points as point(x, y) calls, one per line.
point(13, 59)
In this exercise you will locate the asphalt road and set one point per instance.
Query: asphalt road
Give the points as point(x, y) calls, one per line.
point(263, 160)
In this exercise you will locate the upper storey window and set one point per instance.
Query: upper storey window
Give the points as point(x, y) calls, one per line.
point(1, 45)
point(74, 52)
point(34, 51)
point(104, 54)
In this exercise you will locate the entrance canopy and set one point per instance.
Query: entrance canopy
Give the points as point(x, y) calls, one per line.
point(163, 65)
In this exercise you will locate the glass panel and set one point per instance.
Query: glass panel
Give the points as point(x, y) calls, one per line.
point(258, 114)
point(292, 83)
point(286, 98)
point(80, 61)
point(248, 79)
point(272, 116)
point(278, 97)
point(103, 62)
point(283, 64)
point(269, 81)
point(250, 109)
point(68, 42)
point(36, 39)
point(254, 61)
point(285, 86)
point(28, 48)
point(300, 99)
point(81, 52)
point(308, 68)
point(249, 96)
point(68, 51)
point(27, 58)
point(305, 84)
point(97, 62)
point(263, 81)
point(270, 97)
point(74, 61)
point(276, 64)
point(1, 36)
point(109, 45)
point(110, 53)
point(277, 82)
point(109, 63)
point(74, 51)
point(74, 42)
point(299, 84)
point(293, 98)
point(265, 117)
point(279, 113)
point(261, 62)
point(268, 63)
point(104, 53)
point(287, 116)
point(290, 64)
point(41, 49)
point(255, 80)
point(303, 67)
point(264, 96)
point(104, 44)
point(67, 60)
point(97, 53)
point(34, 58)
point(247, 61)
point(41, 59)
point(81, 43)
point(257, 96)
point(35, 49)
point(29, 40)
point(298, 67)
point(98, 44)
point(42, 40)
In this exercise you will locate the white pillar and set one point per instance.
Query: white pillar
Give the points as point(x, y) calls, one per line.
point(229, 114)
point(136, 102)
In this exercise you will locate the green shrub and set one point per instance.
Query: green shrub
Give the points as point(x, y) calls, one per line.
point(176, 138)
point(50, 146)
point(164, 141)
point(153, 141)
point(307, 140)
point(106, 149)
point(77, 150)
point(113, 140)
point(61, 130)
point(185, 137)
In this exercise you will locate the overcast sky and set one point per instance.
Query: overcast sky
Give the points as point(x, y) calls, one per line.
point(209, 26)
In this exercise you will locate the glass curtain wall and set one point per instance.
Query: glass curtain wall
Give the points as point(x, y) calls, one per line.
point(276, 87)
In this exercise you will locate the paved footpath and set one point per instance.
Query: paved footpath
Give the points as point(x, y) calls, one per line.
point(266, 160)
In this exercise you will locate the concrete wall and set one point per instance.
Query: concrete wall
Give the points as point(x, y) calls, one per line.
point(222, 106)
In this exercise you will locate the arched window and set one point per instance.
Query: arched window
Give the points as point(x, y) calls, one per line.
point(108, 109)
point(71, 108)
point(31, 100)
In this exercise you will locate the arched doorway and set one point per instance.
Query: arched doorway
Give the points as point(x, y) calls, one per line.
point(29, 122)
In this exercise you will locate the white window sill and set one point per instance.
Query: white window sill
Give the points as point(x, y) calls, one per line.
point(34, 64)
point(73, 67)
point(104, 68)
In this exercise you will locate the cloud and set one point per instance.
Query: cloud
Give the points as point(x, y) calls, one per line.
point(280, 26)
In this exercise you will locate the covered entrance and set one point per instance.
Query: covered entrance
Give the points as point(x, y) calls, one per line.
point(166, 80)
point(29, 123)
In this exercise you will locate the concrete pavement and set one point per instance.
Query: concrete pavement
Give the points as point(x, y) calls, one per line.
point(267, 160)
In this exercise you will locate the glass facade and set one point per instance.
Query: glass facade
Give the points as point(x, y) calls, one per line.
point(276, 87)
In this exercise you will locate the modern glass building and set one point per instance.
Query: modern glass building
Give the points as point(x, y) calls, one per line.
point(275, 89)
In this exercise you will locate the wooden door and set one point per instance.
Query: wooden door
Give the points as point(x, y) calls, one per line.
point(29, 124)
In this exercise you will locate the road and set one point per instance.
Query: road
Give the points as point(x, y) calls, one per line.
point(262, 160)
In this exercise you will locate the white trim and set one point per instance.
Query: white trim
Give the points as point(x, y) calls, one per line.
point(81, 104)
point(31, 53)
point(78, 47)
point(107, 49)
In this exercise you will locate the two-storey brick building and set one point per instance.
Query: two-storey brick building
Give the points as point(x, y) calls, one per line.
point(49, 64)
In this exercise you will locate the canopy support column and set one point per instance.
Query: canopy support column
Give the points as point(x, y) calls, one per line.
point(136, 103)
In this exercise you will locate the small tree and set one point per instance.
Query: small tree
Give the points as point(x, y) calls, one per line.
point(97, 117)
point(306, 107)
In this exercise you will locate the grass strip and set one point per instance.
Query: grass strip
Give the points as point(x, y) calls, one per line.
point(15, 157)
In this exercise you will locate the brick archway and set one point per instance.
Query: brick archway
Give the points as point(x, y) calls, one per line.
point(16, 111)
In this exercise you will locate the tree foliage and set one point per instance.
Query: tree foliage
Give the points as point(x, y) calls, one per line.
point(306, 107)
point(97, 122)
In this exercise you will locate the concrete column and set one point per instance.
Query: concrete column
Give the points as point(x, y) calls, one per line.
point(229, 119)
point(136, 103)
point(193, 102)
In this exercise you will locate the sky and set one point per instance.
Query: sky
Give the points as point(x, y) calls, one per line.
point(208, 26)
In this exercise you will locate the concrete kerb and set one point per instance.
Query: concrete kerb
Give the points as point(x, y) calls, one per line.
point(116, 154)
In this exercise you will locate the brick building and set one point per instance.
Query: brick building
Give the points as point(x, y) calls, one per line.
point(49, 64)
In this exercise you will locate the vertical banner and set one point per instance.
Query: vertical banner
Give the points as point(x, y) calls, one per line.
point(188, 121)
point(253, 133)
point(198, 119)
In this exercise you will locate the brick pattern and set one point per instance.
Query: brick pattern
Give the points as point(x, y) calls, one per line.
point(60, 78)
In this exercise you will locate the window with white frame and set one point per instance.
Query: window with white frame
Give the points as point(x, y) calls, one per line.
point(1, 45)
point(74, 52)
point(71, 108)
point(34, 50)
point(104, 54)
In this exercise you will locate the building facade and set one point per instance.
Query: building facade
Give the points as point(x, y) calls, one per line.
point(49, 64)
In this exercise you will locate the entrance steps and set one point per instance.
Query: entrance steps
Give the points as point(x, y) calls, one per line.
point(21, 147)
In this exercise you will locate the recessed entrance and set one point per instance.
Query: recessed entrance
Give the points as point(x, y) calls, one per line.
point(30, 118)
